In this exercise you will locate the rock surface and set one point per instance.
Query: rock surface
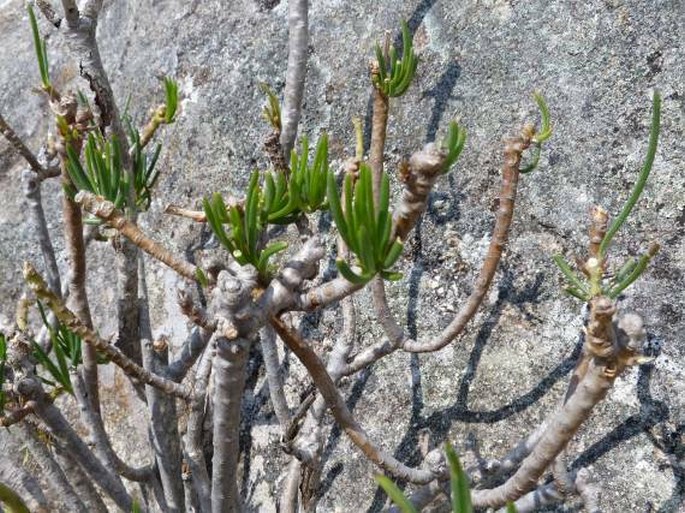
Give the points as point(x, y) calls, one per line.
point(596, 63)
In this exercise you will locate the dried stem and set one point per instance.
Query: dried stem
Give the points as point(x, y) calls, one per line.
point(190, 351)
point(69, 319)
point(166, 441)
point(298, 40)
point(310, 442)
point(176, 210)
point(78, 297)
point(342, 414)
point(106, 211)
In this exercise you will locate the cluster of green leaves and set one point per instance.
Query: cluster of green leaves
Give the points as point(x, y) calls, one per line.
point(365, 227)
point(585, 288)
point(394, 74)
point(41, 50)
point(103, 173)
point(459, 488)
point(3, 360)
point(66, 347)
point(304, 191)
point(247, 225)
point(144, 171)
point(280, 200)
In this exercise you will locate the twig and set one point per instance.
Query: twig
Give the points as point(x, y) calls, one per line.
point(73, 234)
point(298, 38)
point(310, 442)
point(60, 428)
point(103, 447)
point(176, 210)
point(379, 127)
point(196, 314)
point(342, 414)
point(291, 487)
point(193, 438)
point(419, 177)
point(326, 293)
point(17, 415)
point(425, 495)
point(281, 293)
point(22, 149)
point(31, 184)
point(543, 495)
point(190, 351)
point(267, 341)
point(106, 211)
point(152, 126)
point(80, 481)
point(67, 317)
point(71, 13)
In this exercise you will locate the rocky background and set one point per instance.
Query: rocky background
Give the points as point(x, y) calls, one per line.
point(596, 62)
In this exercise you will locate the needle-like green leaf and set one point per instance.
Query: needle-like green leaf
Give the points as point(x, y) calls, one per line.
point(459, 483)
point(395, 494)
point(642, 178)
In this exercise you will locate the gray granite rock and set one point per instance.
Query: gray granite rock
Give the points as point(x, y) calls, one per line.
point(596, 63)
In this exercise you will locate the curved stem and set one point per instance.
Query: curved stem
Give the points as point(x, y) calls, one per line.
point(341, 412)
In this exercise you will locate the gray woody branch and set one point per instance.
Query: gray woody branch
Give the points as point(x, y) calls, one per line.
point(232, 304)
point(298, 38)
